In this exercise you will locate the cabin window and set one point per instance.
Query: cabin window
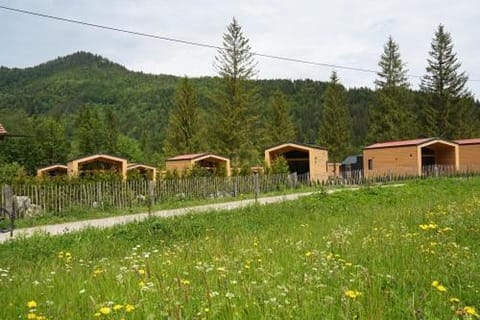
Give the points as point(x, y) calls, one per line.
point(370, 164)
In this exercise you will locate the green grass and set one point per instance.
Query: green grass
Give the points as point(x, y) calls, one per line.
point(304, 259)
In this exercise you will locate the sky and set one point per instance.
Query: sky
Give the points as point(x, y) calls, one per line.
point(341, 32)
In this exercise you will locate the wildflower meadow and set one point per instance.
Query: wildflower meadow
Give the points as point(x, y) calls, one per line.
point(407, 252)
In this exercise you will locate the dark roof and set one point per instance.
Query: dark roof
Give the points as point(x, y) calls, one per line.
point(468, 141)
point(307, 145)
point(351, 159)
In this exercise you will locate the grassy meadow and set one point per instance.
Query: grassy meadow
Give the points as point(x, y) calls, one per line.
point(409, 252)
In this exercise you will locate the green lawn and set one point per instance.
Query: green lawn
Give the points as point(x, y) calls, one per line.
point(378, 253)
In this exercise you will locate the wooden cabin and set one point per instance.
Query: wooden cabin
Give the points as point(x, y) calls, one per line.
point(147, 172)
point(207, 161)
point(410, 157)
point(301, 158)
point(97, 163)
point(3, 132)
point(56, 170)
point(469, 150)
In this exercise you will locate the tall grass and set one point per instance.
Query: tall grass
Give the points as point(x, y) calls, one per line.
point(377, 253)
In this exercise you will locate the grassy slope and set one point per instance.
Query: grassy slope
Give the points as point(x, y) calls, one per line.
point(291, 260)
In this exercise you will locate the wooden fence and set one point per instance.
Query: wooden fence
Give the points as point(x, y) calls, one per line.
point(63, 197)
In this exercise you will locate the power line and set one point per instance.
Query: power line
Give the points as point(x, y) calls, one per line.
point(193, 43)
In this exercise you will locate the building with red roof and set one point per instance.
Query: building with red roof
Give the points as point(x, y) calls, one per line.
point(410, 157)
point(469, 154)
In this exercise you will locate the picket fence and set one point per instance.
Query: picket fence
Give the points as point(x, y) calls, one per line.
point(63, 197)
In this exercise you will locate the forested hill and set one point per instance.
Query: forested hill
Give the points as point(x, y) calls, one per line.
point(61, 88)
point(46, 101)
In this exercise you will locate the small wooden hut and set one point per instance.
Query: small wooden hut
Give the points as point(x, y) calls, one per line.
point(301, 158)
point(207, 161)
point(97, 163)
point(410, 157)
point(56, 170)
point(469, 152)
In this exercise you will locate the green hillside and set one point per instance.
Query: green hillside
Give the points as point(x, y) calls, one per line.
point(47, 100)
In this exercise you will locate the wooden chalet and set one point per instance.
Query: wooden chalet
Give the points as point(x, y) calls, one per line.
point(301, 158)
point(207, 161)
point(97, 163)
point(410, 157)
point(56, 170)
point(148, 172)
point(469, 150)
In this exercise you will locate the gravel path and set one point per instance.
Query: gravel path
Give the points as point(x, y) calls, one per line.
point(62, 228)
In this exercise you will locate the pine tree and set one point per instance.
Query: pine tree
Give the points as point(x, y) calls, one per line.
point(391, 116)
point(90, 132)
point(279, 125)
point(51, 142)
point(448, 108)
point(185, 130)
point(335, 129)
point(393, 74)
point(235, 120)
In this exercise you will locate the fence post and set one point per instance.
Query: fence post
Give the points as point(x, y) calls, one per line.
point(151, 195)
point(256, 186)
point(9, 206)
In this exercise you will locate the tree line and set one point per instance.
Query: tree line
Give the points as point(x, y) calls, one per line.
point(84, 104)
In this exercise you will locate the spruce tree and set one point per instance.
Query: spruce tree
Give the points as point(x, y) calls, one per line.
point(279, 125)
point(448, 110)
point(391, 117)
point(335, 129)
point(185, 131)
point(234, 125)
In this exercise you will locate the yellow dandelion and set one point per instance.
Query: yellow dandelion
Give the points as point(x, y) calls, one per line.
point(31, 316)
point(352, 294)
point(97, 272)
point(31, 304)
point(441, 288)
point(117, 307)
point(308, 254)
point(454, 300)
point(141, 284)
point(470, 311)
point(436, 284)
point(129, 308)
point(105, 310)
point(141, 271)
point(185, 282)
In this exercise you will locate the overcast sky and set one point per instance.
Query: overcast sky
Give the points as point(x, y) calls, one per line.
point(341, 32)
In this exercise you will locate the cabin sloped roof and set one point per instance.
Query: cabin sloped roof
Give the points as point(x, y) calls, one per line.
point(190, 156)
point(296, 144)
point(468, 141)
point(401, 143)
point(95, 157)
